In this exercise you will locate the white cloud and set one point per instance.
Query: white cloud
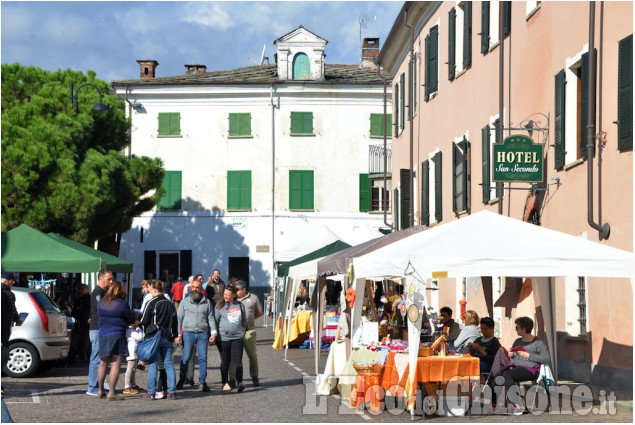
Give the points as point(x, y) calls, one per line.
point(212, 15)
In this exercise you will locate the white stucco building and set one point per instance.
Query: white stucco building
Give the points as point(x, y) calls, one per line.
point(264, 163)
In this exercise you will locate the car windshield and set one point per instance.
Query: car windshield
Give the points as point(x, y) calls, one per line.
point(45, 303)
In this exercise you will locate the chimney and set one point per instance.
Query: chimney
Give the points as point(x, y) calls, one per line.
point(195, 69)
point(148, 68)
point(370, 51)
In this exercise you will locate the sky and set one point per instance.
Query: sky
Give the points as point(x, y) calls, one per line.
point(108, 37)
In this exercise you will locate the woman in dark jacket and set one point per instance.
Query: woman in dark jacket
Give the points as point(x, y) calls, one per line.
point(114, 318)
point(159, 316)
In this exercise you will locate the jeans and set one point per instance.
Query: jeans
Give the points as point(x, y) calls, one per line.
point(165, 350)
point(232, 350)
point(6, 416)
point(93, 366)
point(189, 339)
point(249, 344)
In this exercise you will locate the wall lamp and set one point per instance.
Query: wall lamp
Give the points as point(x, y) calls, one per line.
point(100, 107)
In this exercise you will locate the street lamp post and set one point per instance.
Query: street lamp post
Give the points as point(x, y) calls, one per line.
point(100, 107)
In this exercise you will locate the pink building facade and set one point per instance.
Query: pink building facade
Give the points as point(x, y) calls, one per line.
point(445, 63)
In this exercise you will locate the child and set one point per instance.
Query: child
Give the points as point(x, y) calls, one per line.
point(134, 335)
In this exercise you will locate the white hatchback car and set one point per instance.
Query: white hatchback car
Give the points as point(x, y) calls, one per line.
point(40, 339)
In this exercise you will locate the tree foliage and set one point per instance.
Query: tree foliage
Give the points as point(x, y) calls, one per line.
point(63, 171)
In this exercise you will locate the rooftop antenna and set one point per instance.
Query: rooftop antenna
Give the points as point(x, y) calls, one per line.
point(361, 20)
point(262, 57)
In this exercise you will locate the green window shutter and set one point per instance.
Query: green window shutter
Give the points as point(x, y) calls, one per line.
point(625, 94)
point(507, 17)
point(169, 124)
point(164, 124)
point(425, 192)
point(402, 100)
point(485, 138)
point(413, 76)
point(172, 185)
point(497, 139)
point(454, 185)
point(376, 124)
point(307, 123)
point(404, 179)
point(467, 34)
point(484, 26)
point(388, 125)
point(245, 124)
point(395, 206)
point(234, 124)
point(465, 179)
point(175, 124)
point(426, 93)
point(364, 193)
point(301, 190)
point(434, 59)
point(584, 101)
point(239, 190)
point(301, 122)
point(451, 42)
point(396, 103)
point(296, 122)
point(559, 120)
point(438, 187)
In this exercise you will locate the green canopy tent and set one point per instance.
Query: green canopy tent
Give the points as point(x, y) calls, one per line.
point(115, 264)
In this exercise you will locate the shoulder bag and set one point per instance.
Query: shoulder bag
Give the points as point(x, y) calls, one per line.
point(148, 348)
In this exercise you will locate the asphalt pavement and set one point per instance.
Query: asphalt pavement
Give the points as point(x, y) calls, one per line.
point(59, 396)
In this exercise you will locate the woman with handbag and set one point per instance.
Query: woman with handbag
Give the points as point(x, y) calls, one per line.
point(114, 318)
point(232, 324)
point(160, 325)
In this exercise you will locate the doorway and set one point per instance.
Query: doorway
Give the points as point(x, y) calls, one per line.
point(239, 268)
point(169, 261)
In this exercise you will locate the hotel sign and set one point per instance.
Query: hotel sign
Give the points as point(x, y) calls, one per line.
point(517, 159)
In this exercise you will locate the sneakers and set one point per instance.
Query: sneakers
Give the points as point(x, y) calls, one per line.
point(139, 389)
point(130, 391)
point(203, 387)
point(232, 383)
point(241, 387)
point(114, 397)
point(170, 396)
point(93, 393)
point(190, 381)
point(149, 396)
point(159, 395)
point(255, 381)
point(179, 385)
point(515, 410)
point(226, 387)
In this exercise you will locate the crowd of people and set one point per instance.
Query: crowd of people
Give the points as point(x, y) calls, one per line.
point(521, 362)
point(194, 316)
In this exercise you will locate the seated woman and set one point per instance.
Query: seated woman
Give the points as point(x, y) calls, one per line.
point(468, 334)
point(302, 296)
point(486, 346)
point(526, 355)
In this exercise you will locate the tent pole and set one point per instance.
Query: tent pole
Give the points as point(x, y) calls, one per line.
point(554, 338)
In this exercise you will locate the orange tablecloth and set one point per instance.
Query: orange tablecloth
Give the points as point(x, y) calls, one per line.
point(429, 369)
point(300, 324)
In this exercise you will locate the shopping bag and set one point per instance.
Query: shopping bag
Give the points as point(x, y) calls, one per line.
point(148, 348)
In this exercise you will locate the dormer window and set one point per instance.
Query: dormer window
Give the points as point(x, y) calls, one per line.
point(301, 67)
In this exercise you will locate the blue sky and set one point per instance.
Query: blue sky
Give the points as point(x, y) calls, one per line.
point(108, 37)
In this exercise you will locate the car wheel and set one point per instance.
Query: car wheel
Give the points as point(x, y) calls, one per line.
point(24, 360)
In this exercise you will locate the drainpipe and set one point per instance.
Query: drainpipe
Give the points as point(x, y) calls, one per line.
point(411, 215)
point(273, 189)
point(501, 88)
point(129, 116)
point(385, 139)
point(604, 230)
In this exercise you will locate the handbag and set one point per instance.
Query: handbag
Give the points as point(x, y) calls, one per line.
point(147, 349)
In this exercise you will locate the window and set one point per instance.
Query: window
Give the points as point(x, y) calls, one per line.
point(301, 190)
point(239, 124)
point(172, 198)
point(461, 176)
point(412, 89)
point(531, 7)
point(625, 94)
point(239, 190)
point(169, 124)
point(402, 102)
point(432, 62)
point(575, 305)
point(460, 28)
point(488, 186)
point(301, 122)
point(489, 23)
point(404, 179)
point(396, 104)
point(301, 67)
point(364, 193)
point(571, 110)
point(377, 125)
point(373, 196)
point(431, 189)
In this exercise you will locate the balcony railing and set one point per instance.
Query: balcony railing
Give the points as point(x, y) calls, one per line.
point(376, 158)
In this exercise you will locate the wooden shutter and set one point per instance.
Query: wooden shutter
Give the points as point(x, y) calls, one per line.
point(451, 43)
point(485, 138)
point(172, 185)
point(396, 208)
point(239, 190)
point(164, 124)
point(467, 34)
point(559, 120)
point(584, 105)
point(149, 263)
point(296, 122)
point(364, 193)
point(301, 190)
point(234, 124)
point(484, 27)
point(434, 59)
point(425, 192)
point(402, 101)
point(307, 123)
point(186, 263)
point(169, 123)
point(414, 91)
point(404, 178)
point(175, 124)
point(388, 123)
point(455, 186)
point(396, 109)
point(376, 124)
point(507, 17)
point(497, 139)
point(438, 187)
point(426, 92)
point(245, 124)
point(625, 94)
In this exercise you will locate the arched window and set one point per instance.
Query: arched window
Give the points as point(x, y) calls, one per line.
point(301, 67)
